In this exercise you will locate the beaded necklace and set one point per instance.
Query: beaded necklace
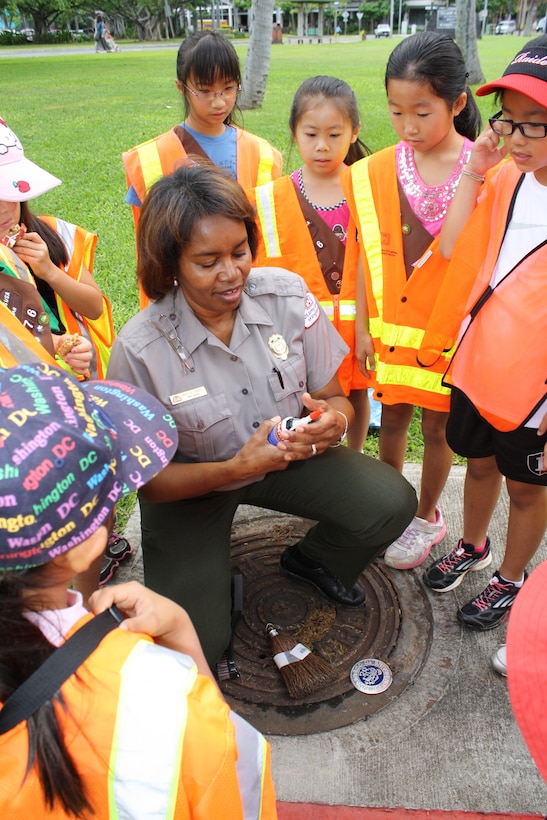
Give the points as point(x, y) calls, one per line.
point(429, 202)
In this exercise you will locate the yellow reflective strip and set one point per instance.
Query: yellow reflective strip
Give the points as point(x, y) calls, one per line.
point(369, 233)
point(265, 162)
point(150, 163)
point(328, 307)
point(406, 376)
point(347, 309)
point(265, 207)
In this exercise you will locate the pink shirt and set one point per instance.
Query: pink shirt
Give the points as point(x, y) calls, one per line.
point(336, 216)
point(429, 202)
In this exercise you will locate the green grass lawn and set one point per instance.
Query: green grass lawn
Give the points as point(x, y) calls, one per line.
point(75, 114)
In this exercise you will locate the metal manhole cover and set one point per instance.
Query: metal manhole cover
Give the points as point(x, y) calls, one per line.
point(395, 626)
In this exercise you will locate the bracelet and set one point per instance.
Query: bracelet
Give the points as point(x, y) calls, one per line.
point(343, 437)
point(472, 174)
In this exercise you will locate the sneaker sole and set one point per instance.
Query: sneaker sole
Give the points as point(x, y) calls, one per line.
point(481, 565)
point(394, 565)
point(479, 627)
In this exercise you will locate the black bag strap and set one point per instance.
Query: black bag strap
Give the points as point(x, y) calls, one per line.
point(45, 681)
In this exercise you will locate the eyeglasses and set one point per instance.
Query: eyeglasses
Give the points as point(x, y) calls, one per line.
point(206, 95)
point(531, 130)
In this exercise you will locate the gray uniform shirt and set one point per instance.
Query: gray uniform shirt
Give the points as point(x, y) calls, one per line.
point(282, 345)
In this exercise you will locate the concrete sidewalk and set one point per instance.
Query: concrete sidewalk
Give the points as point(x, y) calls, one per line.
point(449, 742)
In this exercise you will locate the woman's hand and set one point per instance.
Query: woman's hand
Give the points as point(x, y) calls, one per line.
point(312, 439)
point(154, 615)
point(79, 357)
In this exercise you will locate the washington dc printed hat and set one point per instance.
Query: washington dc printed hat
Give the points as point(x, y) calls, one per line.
point(527, 664)
point(527, 73)
point(69, 451)
point(20, 179)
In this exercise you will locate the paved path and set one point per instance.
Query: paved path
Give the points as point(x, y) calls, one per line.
point(449, 744)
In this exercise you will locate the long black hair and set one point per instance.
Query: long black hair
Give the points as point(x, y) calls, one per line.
point(433, 58)
point(23, 648)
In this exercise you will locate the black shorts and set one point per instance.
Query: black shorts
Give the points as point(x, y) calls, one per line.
point(518, 454)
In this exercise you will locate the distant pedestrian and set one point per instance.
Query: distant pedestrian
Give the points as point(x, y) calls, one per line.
point(100, 39)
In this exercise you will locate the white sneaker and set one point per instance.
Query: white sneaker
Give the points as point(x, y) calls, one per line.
point(414, 545)
point(499, 660)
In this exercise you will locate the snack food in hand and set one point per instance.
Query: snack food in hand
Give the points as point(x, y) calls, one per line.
point(13, 235)
point(70, 341)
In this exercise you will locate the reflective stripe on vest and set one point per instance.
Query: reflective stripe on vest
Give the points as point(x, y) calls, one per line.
point(346, 309)
point(145, 785)
point(265, 161)
point(150, 162)
point(251, 746)
point(369, 228)
point(265, 206)
point(409, 377)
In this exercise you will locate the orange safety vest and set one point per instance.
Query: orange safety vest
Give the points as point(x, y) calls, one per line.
point(285, 242)
point(80, 245)
point(500, 362)
point(398, 307)
point(150, 738)
point(257, 162)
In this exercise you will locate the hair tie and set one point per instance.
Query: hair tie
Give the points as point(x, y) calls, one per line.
point(467, 75)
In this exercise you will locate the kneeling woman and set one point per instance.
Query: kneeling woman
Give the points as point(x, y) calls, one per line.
point(229, 351)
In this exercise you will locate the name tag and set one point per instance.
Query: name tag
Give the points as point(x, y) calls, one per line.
point(187, 395)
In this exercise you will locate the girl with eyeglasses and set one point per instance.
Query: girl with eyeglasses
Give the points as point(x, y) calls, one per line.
point(209, 79)
point(495, 235)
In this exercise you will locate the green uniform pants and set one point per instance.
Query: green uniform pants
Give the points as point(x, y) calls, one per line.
point(361, 504)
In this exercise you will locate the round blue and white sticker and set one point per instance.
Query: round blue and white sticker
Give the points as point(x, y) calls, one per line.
point(371, 676)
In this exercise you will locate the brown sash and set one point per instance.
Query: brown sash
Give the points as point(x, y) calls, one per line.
point(190, 144)
point(330, 251)
point(416, 239)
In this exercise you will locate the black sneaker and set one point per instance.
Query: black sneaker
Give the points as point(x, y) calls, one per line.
point(491, 607)
point(448, 572)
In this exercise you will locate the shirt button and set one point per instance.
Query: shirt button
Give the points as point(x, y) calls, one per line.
point(301, 384)
point(172, 316)
point(233, 358)
point(379, 395)
point(403, 299)
point(256, 424)
point(244, 391)
point(391, 349)
point(201, 425)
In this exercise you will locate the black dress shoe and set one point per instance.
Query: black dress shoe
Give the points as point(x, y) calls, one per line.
point(292, 566)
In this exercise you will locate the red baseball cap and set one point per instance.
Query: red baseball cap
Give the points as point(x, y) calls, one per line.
point(527, 664)
point(526, 73)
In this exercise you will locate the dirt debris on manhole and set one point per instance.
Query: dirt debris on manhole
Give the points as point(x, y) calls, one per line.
point(394, 625)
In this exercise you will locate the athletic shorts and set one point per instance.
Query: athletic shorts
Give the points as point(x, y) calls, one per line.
point(518, 454)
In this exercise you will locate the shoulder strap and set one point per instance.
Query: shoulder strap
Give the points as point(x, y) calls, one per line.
point(190, 143)
point(416, 238)
point(45, 681)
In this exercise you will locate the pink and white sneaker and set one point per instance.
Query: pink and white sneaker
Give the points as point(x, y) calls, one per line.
point(414, 545)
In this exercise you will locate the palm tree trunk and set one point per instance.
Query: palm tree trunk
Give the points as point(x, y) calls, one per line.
point(257, 63)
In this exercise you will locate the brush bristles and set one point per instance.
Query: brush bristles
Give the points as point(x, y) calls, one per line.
point(303, 676)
